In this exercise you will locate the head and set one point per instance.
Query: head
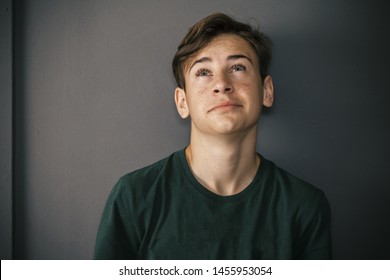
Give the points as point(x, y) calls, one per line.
point(221, 70)
point(209, 28)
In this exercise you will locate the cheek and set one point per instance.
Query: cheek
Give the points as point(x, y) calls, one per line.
point(252, 90)
point(198, 100)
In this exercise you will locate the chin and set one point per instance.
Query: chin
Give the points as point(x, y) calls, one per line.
point(227, 130)
point(234, 128)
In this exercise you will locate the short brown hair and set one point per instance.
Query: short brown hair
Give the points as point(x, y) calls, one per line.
point(202, 32)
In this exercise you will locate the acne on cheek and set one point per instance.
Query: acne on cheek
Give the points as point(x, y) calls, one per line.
point(200, 88)
point(247, 86)
point(203, 92)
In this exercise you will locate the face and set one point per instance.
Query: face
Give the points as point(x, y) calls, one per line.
point(224, 91)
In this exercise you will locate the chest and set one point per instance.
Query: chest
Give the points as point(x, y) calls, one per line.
point(202, 230)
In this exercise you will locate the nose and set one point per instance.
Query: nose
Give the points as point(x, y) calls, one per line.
point(222, 85)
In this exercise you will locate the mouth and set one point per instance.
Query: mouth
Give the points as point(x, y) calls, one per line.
point(225, 106)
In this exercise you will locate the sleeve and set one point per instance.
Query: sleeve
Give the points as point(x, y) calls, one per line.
point(315, 242)
point(117, 236)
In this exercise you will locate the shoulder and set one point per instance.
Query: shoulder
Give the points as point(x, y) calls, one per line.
point(151, 172)
point(142, 180)
point(306, 206)
point(294, 190)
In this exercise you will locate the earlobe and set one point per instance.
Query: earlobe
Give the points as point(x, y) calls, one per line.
point(268, 92)
point(181, 103)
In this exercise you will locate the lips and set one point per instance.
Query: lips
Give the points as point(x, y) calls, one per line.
point(225, 105)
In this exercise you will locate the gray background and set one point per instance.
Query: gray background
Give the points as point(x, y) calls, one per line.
point(5, 129)
point(93, 100)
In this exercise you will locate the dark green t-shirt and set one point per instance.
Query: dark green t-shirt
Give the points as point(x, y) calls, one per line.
point(163, 212)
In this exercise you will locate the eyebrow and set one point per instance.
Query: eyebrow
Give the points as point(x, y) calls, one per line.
point(229, 58)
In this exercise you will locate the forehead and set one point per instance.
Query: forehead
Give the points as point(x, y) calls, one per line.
point(223, 46)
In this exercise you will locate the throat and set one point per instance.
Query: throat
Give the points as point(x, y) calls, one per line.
point(223, 174)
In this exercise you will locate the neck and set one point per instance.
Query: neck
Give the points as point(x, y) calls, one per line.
point(224, 165)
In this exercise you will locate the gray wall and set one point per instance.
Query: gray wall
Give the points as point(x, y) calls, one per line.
point(94, 100)
point(5, 129)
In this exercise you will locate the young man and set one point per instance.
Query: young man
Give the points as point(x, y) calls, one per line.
point(217, 198)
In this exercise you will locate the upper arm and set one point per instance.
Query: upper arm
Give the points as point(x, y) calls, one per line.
point(117, 236)
point(316, 236)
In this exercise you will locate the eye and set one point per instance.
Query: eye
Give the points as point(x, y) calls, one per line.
point(238, 67)
point(203, 72)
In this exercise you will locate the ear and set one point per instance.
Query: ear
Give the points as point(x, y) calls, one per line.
point(268, 92)
point(181, 103)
